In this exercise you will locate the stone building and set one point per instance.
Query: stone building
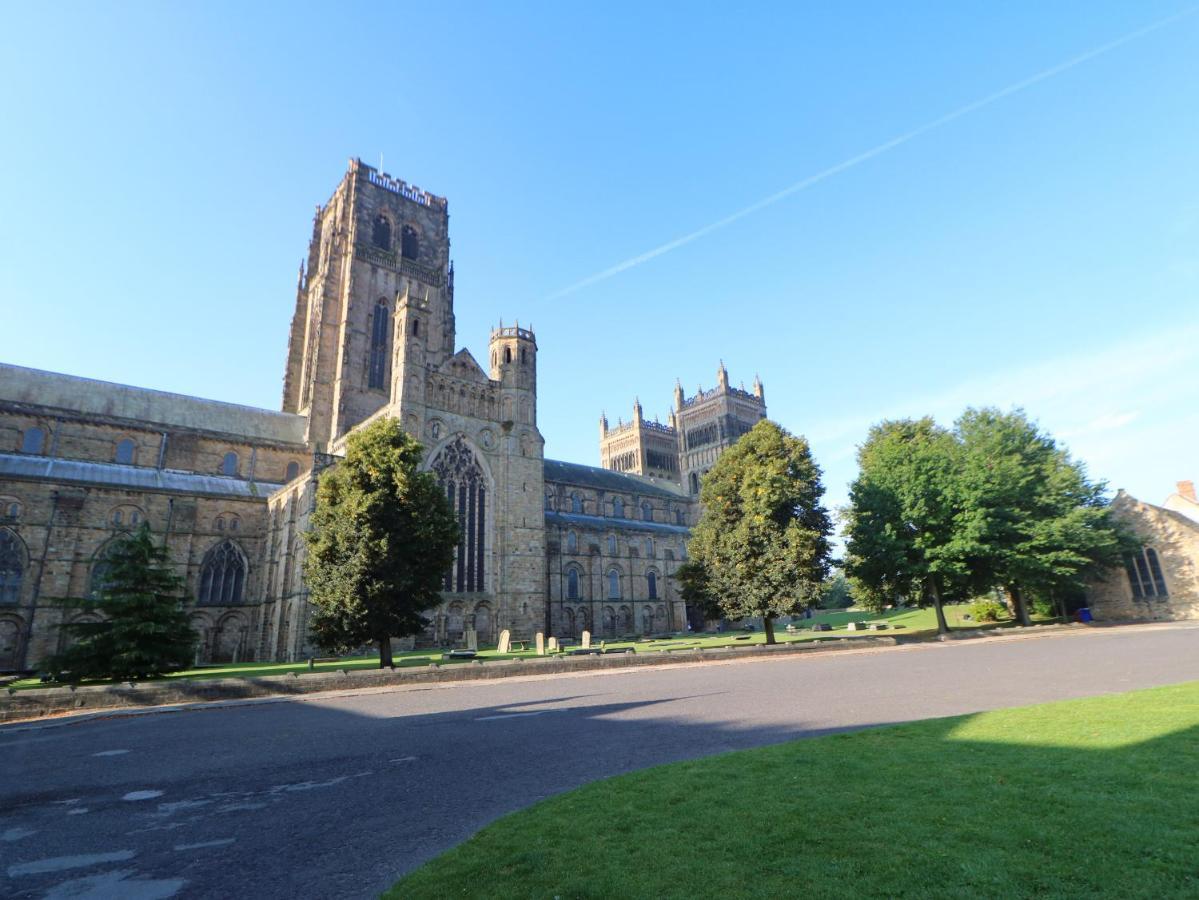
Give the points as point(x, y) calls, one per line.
point(228, 489)
point(1160, 580)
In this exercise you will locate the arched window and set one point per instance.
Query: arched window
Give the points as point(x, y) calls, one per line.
point(576, 505)
point(572, 542)
point(13, 510)
point(33, 440)
point(118, 518)
point(409, 243)
point(522, 356)
point(12, 566)
point(613, 585)
point(694, 483)
point(507, 354)
point(647, 511)
point(549, 502)
point(652, 581)
point(381, 233)
point(572, 584)
point(1145, 574)
point(99, 581)
point(229, 464)
point(125, 452)
point(618, 508)
point(611, 545)
point(222, 576)
point(416, 327)
point(293, 471)
point(649, 548)
point(678, 517)
point(377, 366)
point(461, 477)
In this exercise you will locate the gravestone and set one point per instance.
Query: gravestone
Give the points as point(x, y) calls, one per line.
point(852, 626)
point(471, 637)
point(822, 626)
point(505, 641)
point(552, 645)
point(540, 644)
point(586, 640)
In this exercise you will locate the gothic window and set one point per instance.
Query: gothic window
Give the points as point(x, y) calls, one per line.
point(12, 566)
point(33, 440)
point(293, 471)
point(125, 452)
point(461, 477)
point(678, 517)
point(522, 356)
point(229, 464)
point(618, 508)
point(647, 512)
point(572, 584)
point(1145, 574)
point(409, 243)
point(576, 505)
point(649, 548)
point(694, 483)
point(416, 327)
point(572, 542)
point(613, 585)
point(377, 367)
point(611, 545)
point(101, 570)
point(507, 354)
point(381, 233)
point(652, 580)
point(222, 576)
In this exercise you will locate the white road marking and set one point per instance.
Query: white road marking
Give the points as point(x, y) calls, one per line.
point(142, 795)
point(404, 759)
point(523, 715)
point(222, 842)
point(62, 863)
point(78, 811)
point(310, 785)
point(116, 883)
point(15, 834)
point(169, 809)
point(110, 753)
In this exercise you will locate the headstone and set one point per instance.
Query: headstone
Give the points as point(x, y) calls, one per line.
point(852, 626)
point(540, 644)
point(552, 645)
point(505, 641)
point(586, 640)
point(822, 626)
point(471, 637)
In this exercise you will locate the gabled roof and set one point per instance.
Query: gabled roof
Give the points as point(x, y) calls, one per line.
point(607, 480)
point(463, 365)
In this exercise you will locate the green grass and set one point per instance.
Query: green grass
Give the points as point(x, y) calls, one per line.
point(914, 622)
point(1085, 797)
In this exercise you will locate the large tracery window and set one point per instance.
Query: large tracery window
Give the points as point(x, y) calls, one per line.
point(461, 477)
point(222, 576)
point(12, 566)
point(377, 369)
point(1145, 574)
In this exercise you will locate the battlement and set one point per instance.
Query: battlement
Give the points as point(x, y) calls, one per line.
point(702, 395)
point(513, 332)
point(401, 187)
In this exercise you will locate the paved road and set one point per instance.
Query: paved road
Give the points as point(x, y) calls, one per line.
point(337, 796)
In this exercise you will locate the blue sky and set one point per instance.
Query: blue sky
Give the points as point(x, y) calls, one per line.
point(161, 163)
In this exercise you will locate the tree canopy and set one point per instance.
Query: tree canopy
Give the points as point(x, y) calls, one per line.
point(144, 630)
point(761, 546)
point(382, 538)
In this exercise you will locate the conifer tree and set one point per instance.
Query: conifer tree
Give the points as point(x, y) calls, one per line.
point(144, 631)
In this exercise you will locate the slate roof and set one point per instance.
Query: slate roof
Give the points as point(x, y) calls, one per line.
point(87, 396)
point(607, 480)
point(608, 523)
point(139, 478)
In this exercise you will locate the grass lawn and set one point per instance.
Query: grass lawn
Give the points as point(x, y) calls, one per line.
point(1085, 797)
point(904, 623)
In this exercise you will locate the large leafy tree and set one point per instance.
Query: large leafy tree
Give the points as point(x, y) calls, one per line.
point(144, 630)
point(761, 546)
point(1032, 521)
point(901, 528)
point(382, 538)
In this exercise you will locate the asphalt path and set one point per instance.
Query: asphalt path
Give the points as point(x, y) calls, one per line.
point(337, 796)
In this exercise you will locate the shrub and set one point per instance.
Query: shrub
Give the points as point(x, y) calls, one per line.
point(988, 611)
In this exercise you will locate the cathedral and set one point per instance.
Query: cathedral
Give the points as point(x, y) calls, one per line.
point(545, 545)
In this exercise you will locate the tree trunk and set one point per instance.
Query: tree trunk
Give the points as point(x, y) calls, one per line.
point(942, 625)
point(1019, 608)
point(385, 661)
point(768, 627)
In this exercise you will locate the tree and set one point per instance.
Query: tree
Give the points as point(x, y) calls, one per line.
point(145, 630)
point(901, 532)
point(761, 545)
point(382, 538)
point(835, 593)
point(1032, 521)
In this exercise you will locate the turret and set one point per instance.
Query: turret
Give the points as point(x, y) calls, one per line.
point(637, 416)
point(678, 394)
point(759, 391)
point(603, 424)
point(514, 365)
point(722, 376)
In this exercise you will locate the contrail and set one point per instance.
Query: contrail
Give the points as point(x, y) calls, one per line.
point(878, 150)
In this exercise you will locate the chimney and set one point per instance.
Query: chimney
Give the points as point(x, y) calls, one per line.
point(1187, 489)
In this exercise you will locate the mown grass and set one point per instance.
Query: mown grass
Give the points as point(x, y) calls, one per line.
point(906, 622)
point(1092, 797)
